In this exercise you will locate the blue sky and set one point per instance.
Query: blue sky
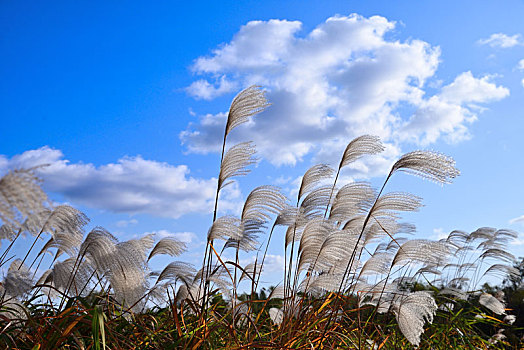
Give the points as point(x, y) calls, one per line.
point(126, 103)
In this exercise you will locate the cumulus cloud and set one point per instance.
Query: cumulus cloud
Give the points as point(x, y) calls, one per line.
point(202, 89)
point(501, 40)
point(345, 78)
point(449, 112)
point(131, 185)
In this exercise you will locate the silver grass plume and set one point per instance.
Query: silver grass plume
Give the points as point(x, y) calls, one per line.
point(510, 319)
point(336, 252)
point(352, 199)
point(423, 251)
point(235, 162)
point(247, 103)
point(277, 293)
point(314, 204)
point(362, 145)
point(68, 276)
point(260, 205)
point(327, 282)
point(429, 165)
point(412, 312)
point(485, 233)
point(392, 202)
point(66, 226)
point(100, 245)
point(379, 263)
point(250, 271)
point(276, 315)
point(128, 271)
point(293, 234)
point(458, 237)
point(18, 280)
point(287, 216)
point(224, 228)
point(66, 219)
point(313, 176)
point(262, 202)
point(20, 197)
point(13, 310)
point(498, 254)
point(315, 233)
point(249, 239)
point(492, 303)
point(503, 270)
point(168, 246)
point(177, 270)
point(455, 292)
point(429, 270)
point(385, 226)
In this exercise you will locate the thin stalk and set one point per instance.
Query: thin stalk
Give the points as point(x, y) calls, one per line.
point(353, 254)
point(207, 265)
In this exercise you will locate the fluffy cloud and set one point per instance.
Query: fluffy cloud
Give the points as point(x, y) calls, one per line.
point(520, 65)
point(202, 89)
point(132, 185)
point(449, 112)
point(501, 40)
point(345, 78)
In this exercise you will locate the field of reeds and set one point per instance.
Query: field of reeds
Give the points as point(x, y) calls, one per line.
point(352, 277)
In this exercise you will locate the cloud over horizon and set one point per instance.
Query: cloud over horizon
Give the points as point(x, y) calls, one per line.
point(132, 185)
point(345, 78)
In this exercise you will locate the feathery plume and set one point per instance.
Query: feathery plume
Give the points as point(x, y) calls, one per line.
point(276, 315)
point(313, 176)
point(492, 303)
point(412, 312)
point(21, 197)
point(177, 270)
point(262, 202)
point(169, 246)
point(429, 165)
point(235, 162)
point(247, 103)
point(18, 280)
point(423, 251)
point(365, 144)
point(224, 228)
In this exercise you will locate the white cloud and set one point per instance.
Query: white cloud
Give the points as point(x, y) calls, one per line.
point(520, 65)
point(501, 40)
point(126, 223)
point(468, 89)
point(438, 233)
point(186, 237)
point(274, 263)
point(522, 82)
point(132, 185)
point(343, 79)
point(202, 89)
point(517, 220)
point(450, 111)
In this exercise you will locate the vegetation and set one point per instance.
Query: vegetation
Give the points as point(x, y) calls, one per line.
point(351, 280)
